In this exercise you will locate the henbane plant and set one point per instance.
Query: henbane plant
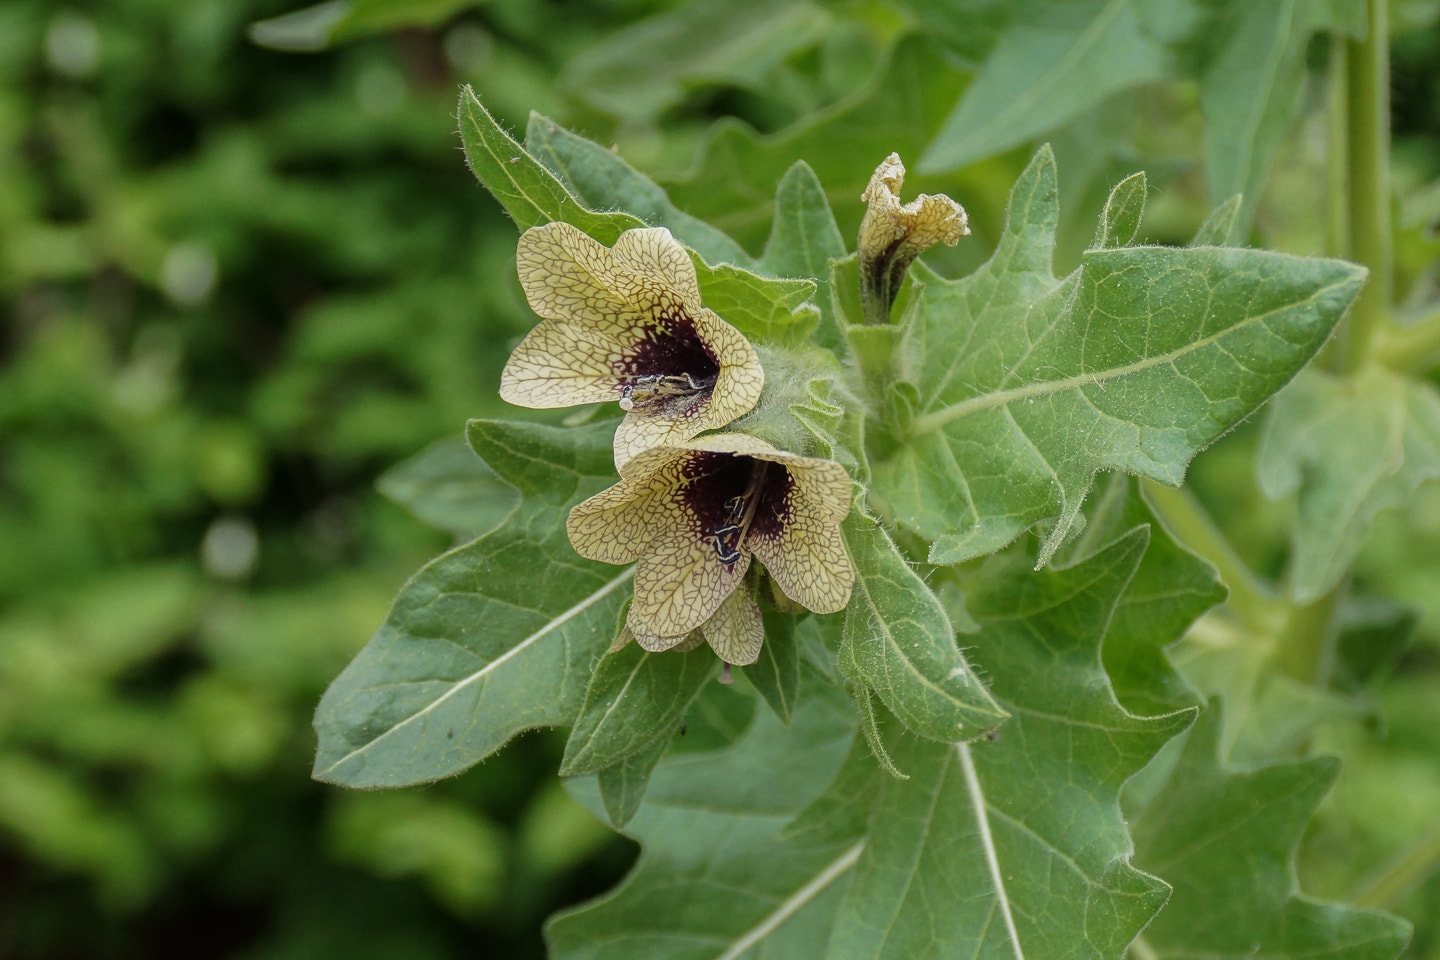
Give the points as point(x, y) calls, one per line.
point(876, 504)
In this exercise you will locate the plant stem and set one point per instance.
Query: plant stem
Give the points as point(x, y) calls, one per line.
point(1337, 221)
point(1367, 88)
point(1185, 517)
point(1305, 645)
point(1388, 886)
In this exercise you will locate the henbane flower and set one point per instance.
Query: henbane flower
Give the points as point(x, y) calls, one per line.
point(892, 236)
point(692, 515)
point(626, 323)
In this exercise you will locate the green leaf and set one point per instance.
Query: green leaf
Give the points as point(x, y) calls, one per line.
point(1218, 230)
point(1349, 447)
point(1250, 79)
point(601, 180)
point(1120, 220)
point(900, 111)
point(1170, 590)
point(765, 310)
point(449, 487)
point(1029, 384)
point(777, 673)
point(622, 785)
point(314, 28)
point(803, 241)
point(1040, 76)
point(646, 68)
point(715, 878)
point(842, 813)
point(1225, 841)
point(529, 192)
point(1022, 839)
point(487, 640)
point(899, 642)
point(634, 699)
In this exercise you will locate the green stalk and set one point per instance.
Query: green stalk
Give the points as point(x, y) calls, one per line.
point(1386, 888)
point(1186, 520)
point(1306, 645)
point(1367, 107)
point(1337, 224)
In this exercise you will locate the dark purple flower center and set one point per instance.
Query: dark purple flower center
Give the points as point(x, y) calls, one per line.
point(672, 357)
point(735, 497)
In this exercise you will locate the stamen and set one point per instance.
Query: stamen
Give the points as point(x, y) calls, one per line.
point(650, 387)
point(725, 675)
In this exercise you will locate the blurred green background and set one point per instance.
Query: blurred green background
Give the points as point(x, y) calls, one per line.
point(240, 283)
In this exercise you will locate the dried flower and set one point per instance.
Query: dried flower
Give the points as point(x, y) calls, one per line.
point(692, 515)
point(892, 236)
point(626, 323)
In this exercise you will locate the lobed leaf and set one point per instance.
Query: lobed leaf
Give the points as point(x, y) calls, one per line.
point(1226, 840)
point(487, 640)
point(1028, 385)
point(714, 878)
point(1350, 447)
point(1022, 838)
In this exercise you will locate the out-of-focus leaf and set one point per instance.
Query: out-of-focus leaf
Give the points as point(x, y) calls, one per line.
point(714, 875)
point(634, 699)
point(1024, 835)
point(899, 643)
point(1349, 447)
point(601, 180)
point(1042, 73)
point(490, 639)
point(1225, 841)
point(1028, 385)
point(640, 71)
point(449, 487)
point(899, 111)
point(315, 28)
point(1253, 61)
point(1373, 635)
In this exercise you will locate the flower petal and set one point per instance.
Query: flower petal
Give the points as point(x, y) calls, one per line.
point(657, 643)
point(680, 582)
point(736, 631)
point(619, 523)
point(806, 557)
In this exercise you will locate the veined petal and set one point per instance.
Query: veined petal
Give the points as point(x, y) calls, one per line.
point(652, 642)
point(680, 582)
point(736, 631)
point(808, 561)
point(619, 523)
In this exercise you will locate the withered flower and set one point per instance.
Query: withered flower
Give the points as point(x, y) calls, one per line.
point(892, 236)
point(692, 515)
point(626, 323)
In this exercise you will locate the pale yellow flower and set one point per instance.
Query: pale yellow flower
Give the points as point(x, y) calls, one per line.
point(626, 324)
point(892, 235)
point(692, 515)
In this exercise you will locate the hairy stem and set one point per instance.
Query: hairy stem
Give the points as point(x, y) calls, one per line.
point(1386, 887)
point(1185, 517)
point(1367, 88)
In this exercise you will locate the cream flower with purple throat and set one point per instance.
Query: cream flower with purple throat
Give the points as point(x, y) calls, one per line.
point(626, 324)
point(692, 515)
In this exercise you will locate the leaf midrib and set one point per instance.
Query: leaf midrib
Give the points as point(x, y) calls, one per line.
point(939, 418)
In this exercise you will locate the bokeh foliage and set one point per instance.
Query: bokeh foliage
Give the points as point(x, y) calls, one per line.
point(239, 284)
